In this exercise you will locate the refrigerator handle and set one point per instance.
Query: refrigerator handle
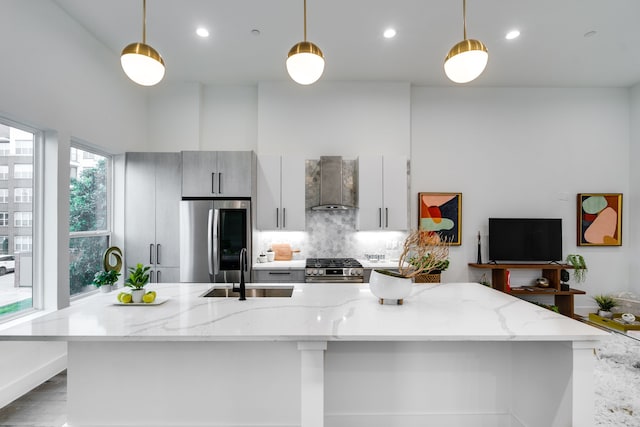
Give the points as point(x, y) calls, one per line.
point(212, 247)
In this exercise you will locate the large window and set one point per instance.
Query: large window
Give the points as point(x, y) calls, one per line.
point(17, 152)
point(89, 216)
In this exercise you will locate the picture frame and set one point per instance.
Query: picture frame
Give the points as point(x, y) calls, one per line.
point(441, 213)
point(599, 219)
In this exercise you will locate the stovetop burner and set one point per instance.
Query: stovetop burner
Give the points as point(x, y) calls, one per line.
point(333, 263)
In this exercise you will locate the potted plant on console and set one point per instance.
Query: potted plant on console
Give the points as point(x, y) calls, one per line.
point(423, 252)
point(579, 267)
point(605, 304)
point(138, 278)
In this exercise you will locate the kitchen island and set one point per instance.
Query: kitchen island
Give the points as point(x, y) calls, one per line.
point(453, 354)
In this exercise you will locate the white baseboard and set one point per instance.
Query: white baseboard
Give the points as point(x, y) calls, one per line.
point(420, 420)
point(14, 390)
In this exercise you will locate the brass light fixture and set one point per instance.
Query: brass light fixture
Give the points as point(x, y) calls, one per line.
point(142, 63)
point(467, 59)
point(305, 62)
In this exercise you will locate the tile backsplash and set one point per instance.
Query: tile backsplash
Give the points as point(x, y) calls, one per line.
point(334, 234)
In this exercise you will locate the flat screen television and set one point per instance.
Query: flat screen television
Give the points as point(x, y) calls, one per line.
point(525, 239)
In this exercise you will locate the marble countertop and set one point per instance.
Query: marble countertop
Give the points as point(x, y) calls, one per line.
point(438, 312)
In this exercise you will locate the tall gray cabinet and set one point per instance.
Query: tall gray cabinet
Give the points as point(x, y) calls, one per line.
point(152, 213)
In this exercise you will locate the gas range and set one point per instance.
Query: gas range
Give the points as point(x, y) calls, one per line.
point(333, 270)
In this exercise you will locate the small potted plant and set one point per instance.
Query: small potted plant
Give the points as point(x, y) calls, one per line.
point(427, 250)
point(579, 267)
point(138, 278)
point(105, 280)
point(605, 304)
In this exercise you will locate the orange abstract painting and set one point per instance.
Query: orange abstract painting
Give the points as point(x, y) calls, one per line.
point(441, 213)
point(599, 219)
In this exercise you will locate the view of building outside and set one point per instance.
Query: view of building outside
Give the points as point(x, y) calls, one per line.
point(88, 217)
point(16, 219)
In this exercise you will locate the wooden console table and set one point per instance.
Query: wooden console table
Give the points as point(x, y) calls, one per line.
point(562, 299)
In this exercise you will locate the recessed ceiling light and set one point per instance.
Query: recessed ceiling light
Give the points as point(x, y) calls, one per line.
point(389, 33)
point(202, 32)
point(255, 32)
point(513, 34)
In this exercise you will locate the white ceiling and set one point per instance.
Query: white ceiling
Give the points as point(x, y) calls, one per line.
point(552, 50)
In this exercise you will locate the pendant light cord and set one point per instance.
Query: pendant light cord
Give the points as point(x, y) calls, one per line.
point(144, 21)
point(305, 20)
point(464, 17)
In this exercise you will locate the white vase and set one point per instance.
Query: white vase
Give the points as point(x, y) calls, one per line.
point(389, 288)
point(136, 295)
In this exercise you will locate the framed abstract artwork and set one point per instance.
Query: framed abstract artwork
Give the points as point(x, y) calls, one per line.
point(599, 219)
point(441, 213)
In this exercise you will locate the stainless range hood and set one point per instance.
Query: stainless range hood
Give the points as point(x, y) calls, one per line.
point(332, 195)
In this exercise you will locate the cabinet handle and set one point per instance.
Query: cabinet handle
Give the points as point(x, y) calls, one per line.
point(284, 217)
point(279, 273)
point(150, 253)
point(379, 217)
point(213, 183)
point(151, 276)
point(158, 254)
point(277, 217)
point(220, 183)
point(159, 277)
point(386, 219)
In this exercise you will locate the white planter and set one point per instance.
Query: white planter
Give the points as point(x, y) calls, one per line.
point(605, 314)
point(389, 288)
point(106, 288)
point(136, 295)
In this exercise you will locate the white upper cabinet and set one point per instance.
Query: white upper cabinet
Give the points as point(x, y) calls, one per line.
point(217, 173)
point(382, 193)
point(281, 193)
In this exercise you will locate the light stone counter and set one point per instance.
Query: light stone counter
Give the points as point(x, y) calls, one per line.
point(296, 264)
point(453, 354)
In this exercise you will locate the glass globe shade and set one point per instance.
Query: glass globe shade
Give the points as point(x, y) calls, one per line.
point(466, 61)
point(305, 63)
point(142, 64)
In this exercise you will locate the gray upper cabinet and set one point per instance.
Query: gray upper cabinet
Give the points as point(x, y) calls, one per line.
point(152, 203)
point(217, 173)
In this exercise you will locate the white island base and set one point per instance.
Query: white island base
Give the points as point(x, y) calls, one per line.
point(438, 383)
point(455, 354)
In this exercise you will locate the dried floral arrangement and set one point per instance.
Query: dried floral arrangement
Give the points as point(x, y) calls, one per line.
point(422, 253)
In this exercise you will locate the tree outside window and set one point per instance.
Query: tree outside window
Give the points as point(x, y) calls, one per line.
point(88, 219)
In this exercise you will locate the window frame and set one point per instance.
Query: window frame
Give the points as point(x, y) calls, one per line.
point(37, 209)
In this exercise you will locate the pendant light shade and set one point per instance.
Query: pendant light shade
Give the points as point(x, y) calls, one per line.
point(467, 59)
point(305, 62)
point(140, 62)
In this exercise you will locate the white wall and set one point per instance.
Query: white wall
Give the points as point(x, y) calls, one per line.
point(344, 119)
point(525, 152)
point(55, 75)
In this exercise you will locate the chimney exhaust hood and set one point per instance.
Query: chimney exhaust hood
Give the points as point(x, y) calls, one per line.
point(332, 195)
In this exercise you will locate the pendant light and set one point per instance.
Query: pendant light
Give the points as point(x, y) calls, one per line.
point(467, 59)
point(305, 62)
point(142, 63)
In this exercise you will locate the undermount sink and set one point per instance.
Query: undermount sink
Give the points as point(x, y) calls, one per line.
point(251, 293)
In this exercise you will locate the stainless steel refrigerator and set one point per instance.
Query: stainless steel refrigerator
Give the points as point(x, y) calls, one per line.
point(212, 233)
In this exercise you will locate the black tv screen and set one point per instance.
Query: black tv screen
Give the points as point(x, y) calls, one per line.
point(525, 239)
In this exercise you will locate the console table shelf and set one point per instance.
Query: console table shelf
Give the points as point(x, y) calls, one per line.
point(562, 298)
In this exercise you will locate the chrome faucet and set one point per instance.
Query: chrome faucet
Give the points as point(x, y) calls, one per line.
point(243, 265)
